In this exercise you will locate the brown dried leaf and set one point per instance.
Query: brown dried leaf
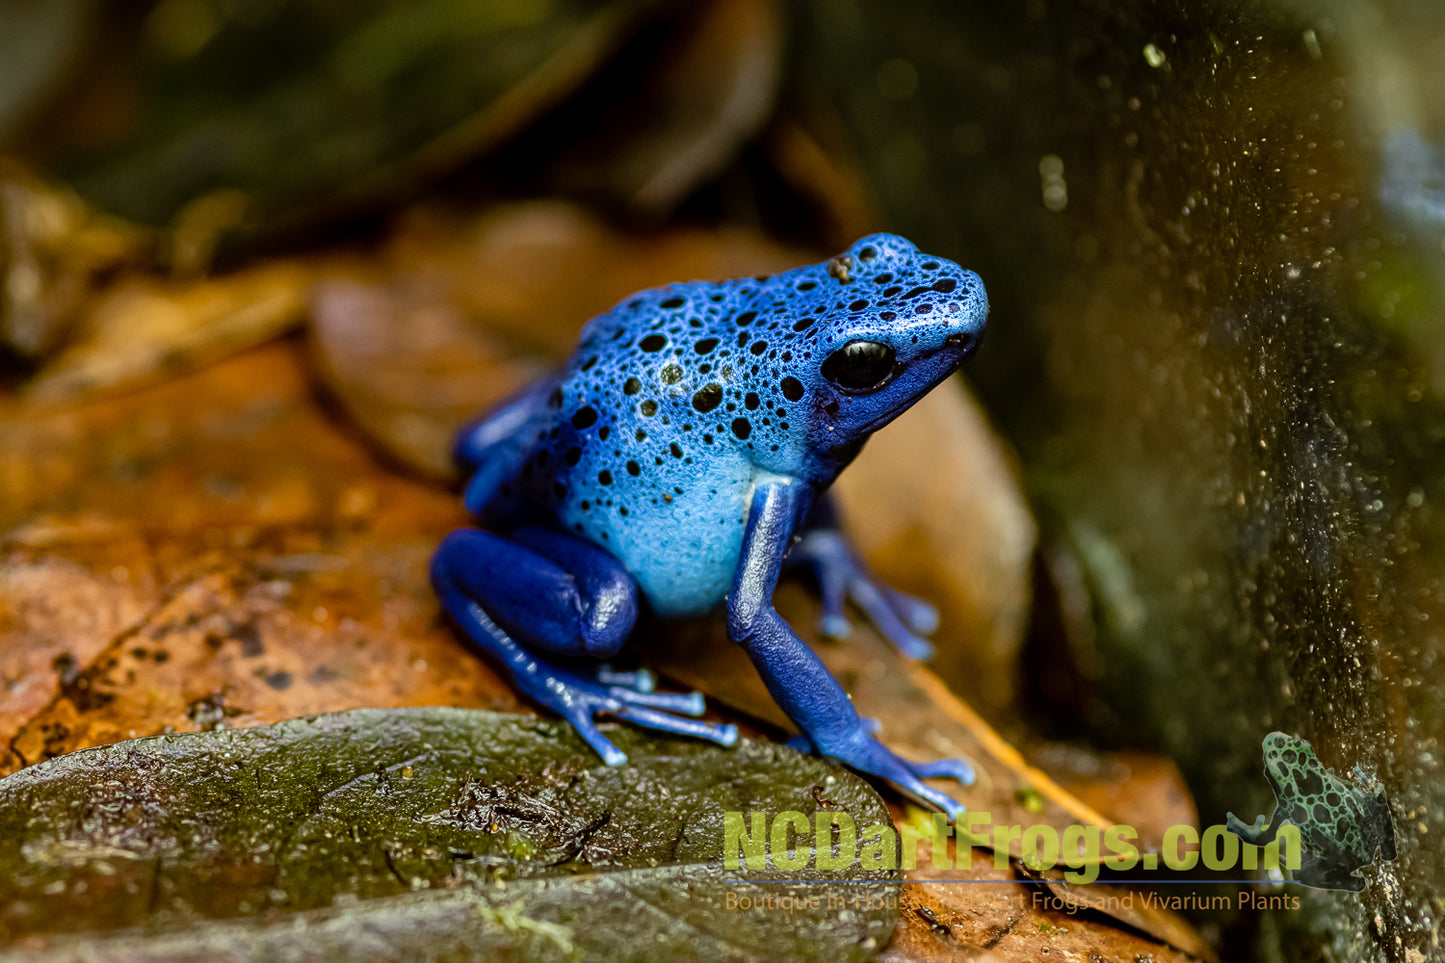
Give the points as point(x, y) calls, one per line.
point(242, 561)
point(1137, 789)
point(981, 911)
point(1143, 911)
point(58, 616)
point(144, 329)
point(408, 366)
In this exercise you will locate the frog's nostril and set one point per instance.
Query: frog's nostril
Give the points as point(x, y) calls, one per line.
point(960, 339)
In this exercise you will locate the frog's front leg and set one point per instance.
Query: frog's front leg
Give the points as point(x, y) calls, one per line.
point(842, 575)
point(798, 681)
point(1261, 832)
point(537, 589)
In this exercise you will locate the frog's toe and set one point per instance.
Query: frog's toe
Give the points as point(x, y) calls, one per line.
point(875, 601)
point(1246, 830)
point(937, 799)
point(581, 720)
point(870, 757)
point(910, 781)
point(921, 617)
point(920, 650)
point(958, 770)
point(580, 700)
point(695, 728)
point(687, 703)
point(640, 681)
point(902, 619)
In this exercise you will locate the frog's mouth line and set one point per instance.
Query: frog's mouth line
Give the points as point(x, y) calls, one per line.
point(900, 408)
point(913, 399)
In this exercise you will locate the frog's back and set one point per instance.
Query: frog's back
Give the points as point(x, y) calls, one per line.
point(641, 455)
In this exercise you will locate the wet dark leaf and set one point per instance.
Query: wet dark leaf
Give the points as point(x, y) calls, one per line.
point(427, 832)
point(39, 46)
point(711, 90)
point(283, 118)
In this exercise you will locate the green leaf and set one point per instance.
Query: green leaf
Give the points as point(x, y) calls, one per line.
point(420, 833)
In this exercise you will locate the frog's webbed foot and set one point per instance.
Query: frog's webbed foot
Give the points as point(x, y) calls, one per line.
point(580, 700)
point(573, 600)
point(1319, 872)
point(862, 753)
point(842, 576)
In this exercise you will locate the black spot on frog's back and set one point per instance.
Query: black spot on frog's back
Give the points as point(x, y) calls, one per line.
point(707, 398)
point(1307, 782)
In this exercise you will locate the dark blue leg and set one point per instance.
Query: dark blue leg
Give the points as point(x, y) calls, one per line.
point(492, 449)
point(480, 438)
point(797, 680)
point(536, 589)
point(842, 575)
point(801, 743)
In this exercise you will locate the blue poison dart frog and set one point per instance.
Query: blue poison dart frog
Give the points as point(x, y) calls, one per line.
point(1341, 825)
point(681, 458)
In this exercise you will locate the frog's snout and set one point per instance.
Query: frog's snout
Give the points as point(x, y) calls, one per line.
point(963, 343)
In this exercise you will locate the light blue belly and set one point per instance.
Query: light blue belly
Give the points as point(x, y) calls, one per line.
point(684, 558)
point(677, 527)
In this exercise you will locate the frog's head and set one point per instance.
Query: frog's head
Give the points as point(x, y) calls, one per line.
point(1286, 760)
point(796, 369)
point(899, 323)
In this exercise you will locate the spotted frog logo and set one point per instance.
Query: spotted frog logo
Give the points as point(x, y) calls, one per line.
point(1342, 823)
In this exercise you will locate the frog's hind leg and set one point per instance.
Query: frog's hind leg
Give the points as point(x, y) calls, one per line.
point(841, 574)
point(1324, 872)
point(535, 591)
point(482, 438)
point(493, 449)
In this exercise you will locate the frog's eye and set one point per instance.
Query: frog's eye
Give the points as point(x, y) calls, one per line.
point(860, 366)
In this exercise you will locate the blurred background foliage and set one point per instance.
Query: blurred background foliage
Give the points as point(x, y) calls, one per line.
point(1213, 236)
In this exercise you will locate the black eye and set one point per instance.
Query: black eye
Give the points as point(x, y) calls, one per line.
point(860, 366)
